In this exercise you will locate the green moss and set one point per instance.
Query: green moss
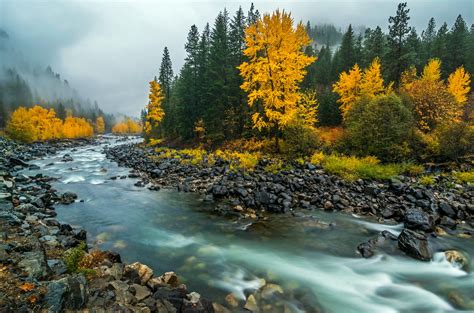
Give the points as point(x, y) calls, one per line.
point(465, 177)
point(72, 257)
point(427, 180)
point(352, 168)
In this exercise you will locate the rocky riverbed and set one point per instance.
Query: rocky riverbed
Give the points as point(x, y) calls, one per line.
point(426, 211)
point(34, 274)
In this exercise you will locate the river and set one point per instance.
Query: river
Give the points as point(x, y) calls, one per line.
point(312, 256)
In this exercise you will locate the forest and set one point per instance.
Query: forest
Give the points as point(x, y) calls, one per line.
point(397, 95)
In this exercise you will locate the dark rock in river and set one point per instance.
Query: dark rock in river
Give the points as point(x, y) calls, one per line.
point(415, 245)
point(418, 219)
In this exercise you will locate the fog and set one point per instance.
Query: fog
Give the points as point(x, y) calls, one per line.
point(109, 50)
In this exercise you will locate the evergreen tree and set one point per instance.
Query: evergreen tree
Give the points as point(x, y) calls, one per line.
point(440, 48)
point(428, 38)
point(165, 79)
point(399, 31)
point(219, 74)
point(375, 45)
point(253, 15)
point(187, 87)
point(347, 53)
point(239, 114)
point(457, 42)
point(414, 49)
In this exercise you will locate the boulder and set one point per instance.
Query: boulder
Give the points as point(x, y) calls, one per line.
point(69, 293)
point(457, 257)
point(415, 245)
point(138, 273)
point(417, 219)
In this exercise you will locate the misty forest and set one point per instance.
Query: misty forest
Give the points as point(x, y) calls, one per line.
point(275, 164)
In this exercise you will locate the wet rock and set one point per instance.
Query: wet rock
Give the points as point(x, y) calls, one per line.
point(219, 190)
point(457, 257)
point(270, 290)
point(251, 304)
point(415, 245)
point(122, 293)
point(138, 273)
point(140, 292)
point(69, 293)
point(446, 209)
point(34, 264)
point(232, 300)
point(68, 198)
point(418, 219)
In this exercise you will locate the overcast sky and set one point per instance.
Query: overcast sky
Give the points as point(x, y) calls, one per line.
point(109, 50)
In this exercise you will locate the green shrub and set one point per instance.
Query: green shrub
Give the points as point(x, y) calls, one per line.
point(427, 180)
point(352, 168)
point(72, 257)
point(379, 126)
point(299, 140)
point(455, 140)
point(465, 177)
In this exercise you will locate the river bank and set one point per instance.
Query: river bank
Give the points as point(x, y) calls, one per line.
point(305, 262)
point(427, 212)
point(37, 251)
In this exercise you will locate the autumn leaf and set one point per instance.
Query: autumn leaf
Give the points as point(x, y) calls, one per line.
point(26, 287)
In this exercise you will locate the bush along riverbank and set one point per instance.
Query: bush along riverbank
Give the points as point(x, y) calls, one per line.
point(427, 205)
point(46, 266)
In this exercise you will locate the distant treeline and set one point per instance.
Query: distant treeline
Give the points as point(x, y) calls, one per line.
point(206, 93)
point(24, 85)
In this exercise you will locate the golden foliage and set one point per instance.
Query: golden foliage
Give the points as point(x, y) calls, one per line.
point(155, 113)
point(75, 127)
point(275, 68)
point(99, 125)
point(348, 88)
point(127, 126)
point(432, 101)
point(459, 85)
point(307, 108)
point(200, 129)
point(38, 123)
point(356, 84)
point(330, 135)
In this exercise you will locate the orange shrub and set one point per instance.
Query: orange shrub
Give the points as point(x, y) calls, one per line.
point(330, 135)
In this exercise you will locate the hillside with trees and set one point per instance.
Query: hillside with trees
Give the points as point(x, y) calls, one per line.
point(393, 94)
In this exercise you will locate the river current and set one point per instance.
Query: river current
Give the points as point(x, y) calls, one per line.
point(311, 256)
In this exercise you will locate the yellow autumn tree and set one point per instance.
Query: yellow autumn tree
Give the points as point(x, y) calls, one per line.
point(275, 67)
point(127, 126)
point(19, 126)
point(99, 125)
point(348, 88)
point(432, 101)
point(355, 84)
point(38, 123)
point(459, 85)
point(155, 113)
point(76, 127)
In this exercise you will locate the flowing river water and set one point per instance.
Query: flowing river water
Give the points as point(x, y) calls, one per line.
point(312, 256)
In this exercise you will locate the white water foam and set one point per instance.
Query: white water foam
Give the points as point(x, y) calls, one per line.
point(73, 179)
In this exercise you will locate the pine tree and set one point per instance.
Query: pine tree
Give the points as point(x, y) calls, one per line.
point(428, 38)
point(187, 88)
point(253, 15)
point(219, 75)
point(165, 79)
point(397, 39)
point(414, 49)
point(347, 53)
point(375, 45)
point(457, 43)
point(440, 48)
point(238, 114)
